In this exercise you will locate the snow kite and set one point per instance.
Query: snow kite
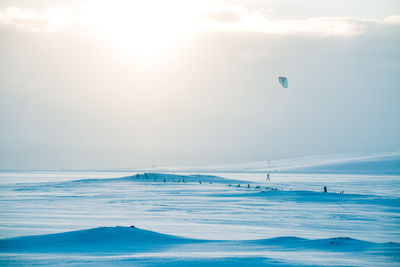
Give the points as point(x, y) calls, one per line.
point(283, 81)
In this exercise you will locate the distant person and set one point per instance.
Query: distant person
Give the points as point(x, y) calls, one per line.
point(268, 179)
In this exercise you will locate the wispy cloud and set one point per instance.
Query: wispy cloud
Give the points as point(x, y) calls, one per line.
point(233, 19)
point(45, 20)
point(395, 19)
point(242, 19)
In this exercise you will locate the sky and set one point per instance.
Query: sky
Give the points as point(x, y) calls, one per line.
point(130, 84)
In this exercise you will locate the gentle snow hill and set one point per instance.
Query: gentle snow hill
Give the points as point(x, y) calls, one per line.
point(102, 239)
point(378, 165)
point(130, 239)
point(328, 244)
point(167, 178)
point(360, 163)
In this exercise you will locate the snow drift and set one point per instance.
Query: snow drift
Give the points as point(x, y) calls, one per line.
point(131, 239)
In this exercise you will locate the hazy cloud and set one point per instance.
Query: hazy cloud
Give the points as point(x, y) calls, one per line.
point(395, 19)
point(242, 19)
point(45, 20)
point(236, 18)
point(222, 16)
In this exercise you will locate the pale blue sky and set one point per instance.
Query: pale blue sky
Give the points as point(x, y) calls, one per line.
point(131, 85)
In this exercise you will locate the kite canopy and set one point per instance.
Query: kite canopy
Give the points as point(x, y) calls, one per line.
point(283, 81)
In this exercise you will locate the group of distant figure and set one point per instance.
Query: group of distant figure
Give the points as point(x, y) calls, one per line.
point(325, 187)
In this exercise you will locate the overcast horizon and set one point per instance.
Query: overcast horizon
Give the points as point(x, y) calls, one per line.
point(130, 84)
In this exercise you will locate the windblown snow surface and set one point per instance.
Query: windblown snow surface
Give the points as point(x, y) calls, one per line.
point(222, 216)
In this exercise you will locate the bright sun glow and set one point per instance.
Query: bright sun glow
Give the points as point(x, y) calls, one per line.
point(149, 26)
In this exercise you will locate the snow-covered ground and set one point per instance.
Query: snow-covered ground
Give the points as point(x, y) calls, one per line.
point(53, 218)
